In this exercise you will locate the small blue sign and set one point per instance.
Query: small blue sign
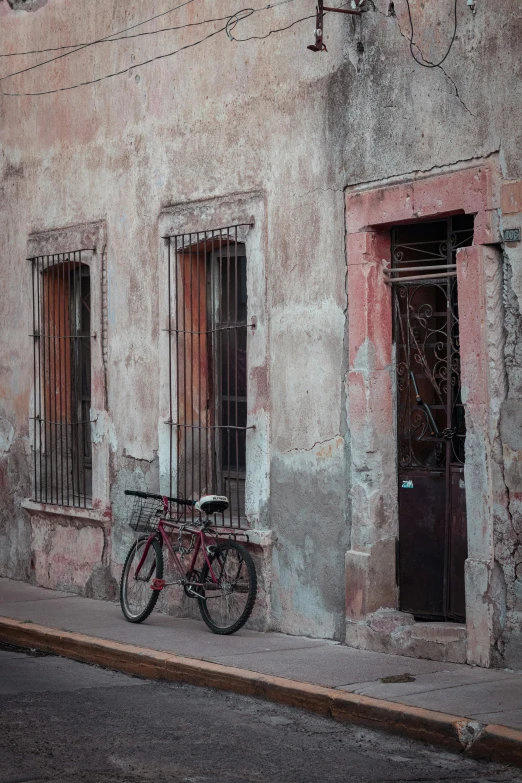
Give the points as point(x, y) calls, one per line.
point(407, 484)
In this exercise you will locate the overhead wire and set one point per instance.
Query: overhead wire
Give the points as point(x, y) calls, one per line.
point(115, 40)
point(426, 63)
point(244, 13)
point(157, 57)
point(93, 43)
point(116, 73)
point(111, 39)
point(236, 18)
point(232, 22)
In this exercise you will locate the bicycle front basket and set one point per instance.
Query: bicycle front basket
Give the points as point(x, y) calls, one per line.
point(145, 514)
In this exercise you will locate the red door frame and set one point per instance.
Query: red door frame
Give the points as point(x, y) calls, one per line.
point(370, 213)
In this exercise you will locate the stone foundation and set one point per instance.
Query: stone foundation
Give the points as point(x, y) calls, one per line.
point(398, 633)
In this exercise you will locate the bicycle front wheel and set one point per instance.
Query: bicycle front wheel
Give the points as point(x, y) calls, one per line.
point(227, 604)
point(137, 599)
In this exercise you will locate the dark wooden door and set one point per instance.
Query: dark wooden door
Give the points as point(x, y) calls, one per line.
point(432, 543)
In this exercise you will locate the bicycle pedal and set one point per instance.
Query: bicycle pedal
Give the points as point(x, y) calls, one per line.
point(157, 584)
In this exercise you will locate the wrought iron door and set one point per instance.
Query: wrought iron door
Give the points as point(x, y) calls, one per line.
point(432, 543)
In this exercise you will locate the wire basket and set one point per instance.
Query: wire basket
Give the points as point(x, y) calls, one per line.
point(145, 514)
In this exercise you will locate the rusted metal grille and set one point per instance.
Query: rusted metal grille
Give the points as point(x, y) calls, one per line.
point(431, 428)
point(207, 326)
point(62, 379)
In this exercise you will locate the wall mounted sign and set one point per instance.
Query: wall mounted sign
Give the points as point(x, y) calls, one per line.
point(511, 235)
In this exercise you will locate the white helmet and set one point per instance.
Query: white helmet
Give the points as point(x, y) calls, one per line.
point(212, 504)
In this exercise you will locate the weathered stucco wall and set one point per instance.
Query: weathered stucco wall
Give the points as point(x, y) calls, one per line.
point(224, 118)
point(509, 636)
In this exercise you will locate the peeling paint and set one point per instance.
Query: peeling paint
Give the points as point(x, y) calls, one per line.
point(7, 433)
point(275, 136)
point(26, 5)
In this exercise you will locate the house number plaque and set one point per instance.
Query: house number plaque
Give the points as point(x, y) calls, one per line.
point(512, 235)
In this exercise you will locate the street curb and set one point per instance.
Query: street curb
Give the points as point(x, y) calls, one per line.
point(492, 742)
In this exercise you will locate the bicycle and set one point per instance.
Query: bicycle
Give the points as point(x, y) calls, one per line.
point(225, 586)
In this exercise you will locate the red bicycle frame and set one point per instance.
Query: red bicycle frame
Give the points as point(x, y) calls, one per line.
point(201, 544)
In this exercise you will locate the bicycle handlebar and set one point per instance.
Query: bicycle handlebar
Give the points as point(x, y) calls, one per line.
point(179, 501)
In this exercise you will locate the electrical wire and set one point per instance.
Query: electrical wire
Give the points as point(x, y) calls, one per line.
point(158, 57)
point(120, 38)
point(427, 63)
point(117, 73)
point(92, 43)
point(235, 19)
point(111, 39)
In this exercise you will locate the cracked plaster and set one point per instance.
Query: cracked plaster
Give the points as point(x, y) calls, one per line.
point(295, 129)
point(428, 64)
point(7, 433)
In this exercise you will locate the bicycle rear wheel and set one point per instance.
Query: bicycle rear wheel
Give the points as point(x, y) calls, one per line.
point(228, 604)
point(137, 599)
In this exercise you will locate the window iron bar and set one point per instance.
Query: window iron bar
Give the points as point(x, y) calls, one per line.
point(434, 240)
point(210, 234)
point(465, 232)
point(65, 256)
point(431, 247)
point(59, 423)
point(61, 365)
point(241, 324)
point(92, 336)
point(411, 278)
point(389, 270)
point(207, 332)
point(210, 426)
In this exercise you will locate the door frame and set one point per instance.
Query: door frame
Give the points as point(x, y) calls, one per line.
point(429, 585)
point(370, 563)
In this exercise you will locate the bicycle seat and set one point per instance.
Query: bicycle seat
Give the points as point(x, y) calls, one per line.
point(212, 504)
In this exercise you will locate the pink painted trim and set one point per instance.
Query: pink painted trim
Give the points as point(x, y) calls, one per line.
point(369, 216)
point(87, 515)
point(470, 191)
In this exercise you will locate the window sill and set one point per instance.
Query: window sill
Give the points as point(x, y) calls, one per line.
point(256, 536)
point(259, 537)
point(98, 516)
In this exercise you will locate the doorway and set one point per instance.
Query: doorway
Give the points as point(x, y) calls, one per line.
point(431, 433)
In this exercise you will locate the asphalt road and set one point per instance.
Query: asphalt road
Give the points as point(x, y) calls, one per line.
point(71, 723)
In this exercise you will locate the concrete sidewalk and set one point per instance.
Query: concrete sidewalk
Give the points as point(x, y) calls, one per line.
point(318, 674)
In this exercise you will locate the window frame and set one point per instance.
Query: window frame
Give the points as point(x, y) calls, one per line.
point(62, 475)
point(199, 343)
point(92, 238)
point(247, 210)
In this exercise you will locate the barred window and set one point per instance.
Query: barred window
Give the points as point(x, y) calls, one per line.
point(62, 379)
point(208, 367)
